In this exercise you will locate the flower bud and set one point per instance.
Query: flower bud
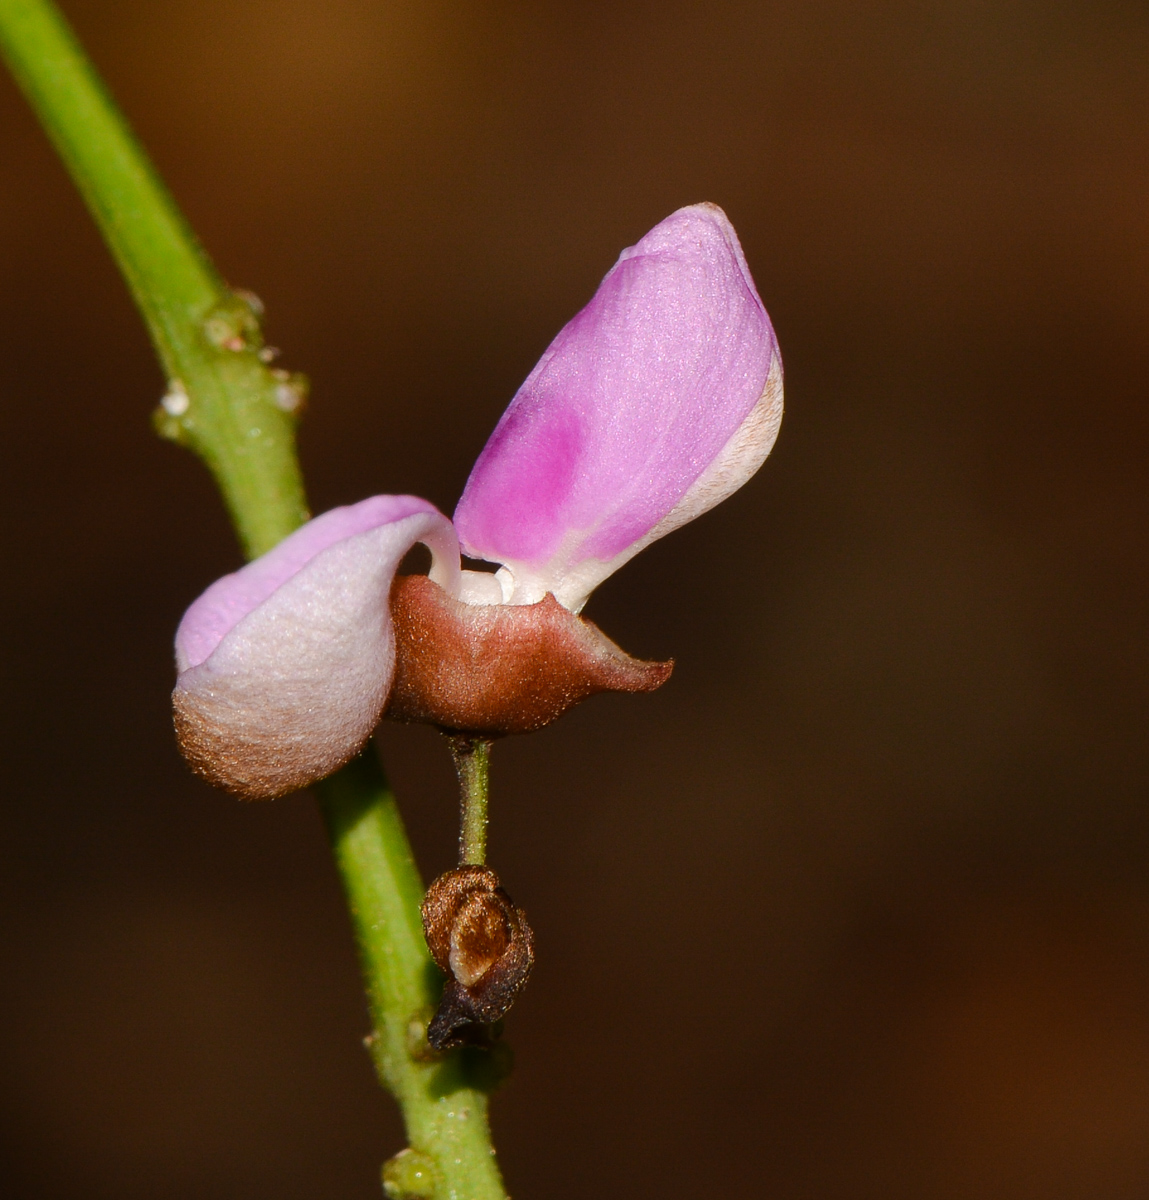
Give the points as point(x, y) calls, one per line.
point(410, 1175)
point(482, 942)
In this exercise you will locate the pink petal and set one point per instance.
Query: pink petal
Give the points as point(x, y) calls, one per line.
point(654, 403)
point(231, 598)
point(285, 666)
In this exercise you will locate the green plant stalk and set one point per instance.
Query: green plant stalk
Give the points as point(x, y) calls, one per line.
point(446, 1114)
point(472, 757)
point(238, 415)
point(225, 403)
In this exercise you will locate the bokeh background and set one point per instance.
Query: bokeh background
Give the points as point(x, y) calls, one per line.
point(858, 905)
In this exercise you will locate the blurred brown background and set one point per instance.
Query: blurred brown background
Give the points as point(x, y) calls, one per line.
point(858, 906)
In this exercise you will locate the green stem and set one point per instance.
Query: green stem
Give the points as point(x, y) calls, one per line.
point(223, 400)
point(225, 404)
point(446, 1113)
point(472, 757)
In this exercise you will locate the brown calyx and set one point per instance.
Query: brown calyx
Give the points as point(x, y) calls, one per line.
point(500, 668)
point(483, 944)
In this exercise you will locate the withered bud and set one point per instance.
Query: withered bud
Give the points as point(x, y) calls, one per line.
point(482, 942)
point(500, 668)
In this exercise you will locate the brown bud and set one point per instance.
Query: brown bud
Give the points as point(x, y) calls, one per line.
point(500, 668)
point(482, 942)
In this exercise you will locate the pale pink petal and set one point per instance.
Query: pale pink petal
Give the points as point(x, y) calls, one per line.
point(285, 665)
point(234, 596)
point(654, 403)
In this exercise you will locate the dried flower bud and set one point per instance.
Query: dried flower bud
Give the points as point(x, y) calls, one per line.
point(500, 668)
point(483, 943)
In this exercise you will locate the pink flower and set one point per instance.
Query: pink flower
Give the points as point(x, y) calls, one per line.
point(657, 401)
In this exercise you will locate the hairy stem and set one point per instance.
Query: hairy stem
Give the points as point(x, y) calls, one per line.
point(472, 757)
point(238, 415)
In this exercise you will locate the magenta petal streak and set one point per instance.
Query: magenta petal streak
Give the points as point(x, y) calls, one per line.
point(664, 393)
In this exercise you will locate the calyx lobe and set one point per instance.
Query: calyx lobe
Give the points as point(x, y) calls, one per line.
point(500, 668)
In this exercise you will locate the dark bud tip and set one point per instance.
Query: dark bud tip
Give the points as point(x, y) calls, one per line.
point(483, 944)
